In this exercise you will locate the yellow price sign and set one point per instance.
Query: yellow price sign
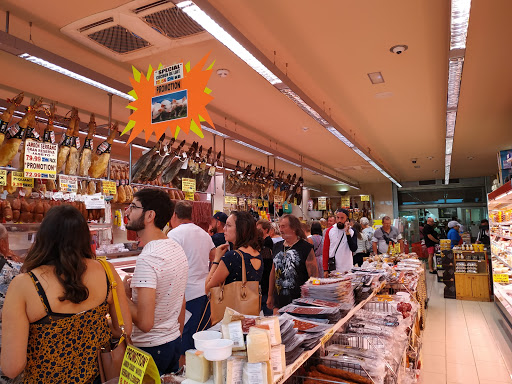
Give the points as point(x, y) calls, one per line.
point(260, 203)
point(19, 180)
point(345, 201)
point(188, 185)
point(3, 177)
point(365, 197)
point(109, 187)
point(136, 365)
point(189, 196)
point(265, 203)
point(231, 200)
point(500, 278)
point(327, 337)
point(278, 199)
point(322, 203)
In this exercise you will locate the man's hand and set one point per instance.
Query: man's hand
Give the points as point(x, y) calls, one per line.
point(326, 274)
point(220, 251)
point(126, 282)
point(270, 302)
point(347, 228)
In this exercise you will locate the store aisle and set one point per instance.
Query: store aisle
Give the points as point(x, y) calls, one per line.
point(464, 341)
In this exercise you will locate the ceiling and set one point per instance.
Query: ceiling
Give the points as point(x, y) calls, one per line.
point(326, 50)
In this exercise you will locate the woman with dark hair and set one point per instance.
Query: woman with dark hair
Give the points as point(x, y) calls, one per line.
point(294, 263)
point(54, 319)
point(363, 244)
point(317, 238)
point(240, 229)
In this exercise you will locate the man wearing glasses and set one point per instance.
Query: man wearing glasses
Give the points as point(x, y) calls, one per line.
point(157, 288)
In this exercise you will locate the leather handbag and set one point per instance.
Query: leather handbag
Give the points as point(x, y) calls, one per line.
point(111, 358)
point(242, 296)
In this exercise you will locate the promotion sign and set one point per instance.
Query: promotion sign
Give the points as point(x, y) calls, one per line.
point(188, 185)
point(231, 200)
point(322, 203)
point(68, 183)
point(189, 196)
point(40, 160)
point(109, 187)
point(172, 97)
point(500, 278)
point(345, 202)
point(365, 197)
point(137, 364)
point(19, 180)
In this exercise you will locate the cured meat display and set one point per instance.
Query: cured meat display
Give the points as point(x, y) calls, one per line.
point(86, 155)
point(65, 141)
point(72, 162)
point(6, 116)
point(142, 163)
point(49, 134)
point(16, 134)
point(101, 156)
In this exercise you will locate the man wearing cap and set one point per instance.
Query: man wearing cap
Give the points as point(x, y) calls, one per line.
point(453, 233)
point(340, 241)
point(217, 224)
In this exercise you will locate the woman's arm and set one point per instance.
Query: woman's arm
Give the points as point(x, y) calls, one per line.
point(123, 303)
point(217, 276)
point(219, 252)
point(15, 328)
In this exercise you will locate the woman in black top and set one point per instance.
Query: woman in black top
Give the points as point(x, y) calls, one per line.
point(240, 230)
point(294, 264)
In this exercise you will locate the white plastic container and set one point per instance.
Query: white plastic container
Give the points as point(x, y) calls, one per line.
point(217, 350)
point(200, 338)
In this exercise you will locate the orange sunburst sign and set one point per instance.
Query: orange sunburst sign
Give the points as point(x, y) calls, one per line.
point(173, 97)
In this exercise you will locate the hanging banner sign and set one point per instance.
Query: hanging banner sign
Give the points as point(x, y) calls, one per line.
point(68, 183)
point(19, 180)
point(265, 203)
point(189, 196)
point(322, 203)
point(109, 187)
point(345, 202)
point(40, 160)
point(231, 200)
point(3, 177)
point(137, 364)
point(365, 197)
point(188, 185)
point(172, 97)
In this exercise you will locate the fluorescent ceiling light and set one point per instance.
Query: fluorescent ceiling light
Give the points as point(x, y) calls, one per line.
point(288, 161)
point(458, 32)
point(360, 153)
point(459, 23)
point(342, 138)
point(253, 147)
point(376, 77)
point(140, 147)
point(119, 141)
point(208, 129)
point(76, 76)
point(304, 106)
point(330, 178)
point(225, 38)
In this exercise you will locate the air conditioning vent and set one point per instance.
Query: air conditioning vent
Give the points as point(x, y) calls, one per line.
point(426, 182)
point(173, 23)
point(149, 6)
point(119, 39)
point(96, 24)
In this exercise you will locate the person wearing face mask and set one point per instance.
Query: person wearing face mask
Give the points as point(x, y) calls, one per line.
point(339, 242)
point(483, 233)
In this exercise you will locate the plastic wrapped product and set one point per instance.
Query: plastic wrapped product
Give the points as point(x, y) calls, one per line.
point(233, 331)
point(198, 368)
point(273, 324)
point(258, 345)
point(256, 373)
point(278, 359)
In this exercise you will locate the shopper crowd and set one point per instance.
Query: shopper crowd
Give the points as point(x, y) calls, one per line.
point(54, 318)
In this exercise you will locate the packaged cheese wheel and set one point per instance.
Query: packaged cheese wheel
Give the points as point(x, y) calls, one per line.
point(258, 345)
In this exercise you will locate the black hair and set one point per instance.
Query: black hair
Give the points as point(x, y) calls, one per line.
point(316, 228)
point(246, 233)
point(158, 201)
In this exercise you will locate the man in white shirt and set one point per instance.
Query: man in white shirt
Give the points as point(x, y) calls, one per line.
point(200, 250)
point(157, 288)
point(340, 241)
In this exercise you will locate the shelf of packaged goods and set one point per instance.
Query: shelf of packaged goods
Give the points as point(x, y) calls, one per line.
point(503, 261)
point(290, 369)
point(509, 237)
point(500, 223)
point(500, 248)
point(469, 260)
point(160, 187)
point(503, 301)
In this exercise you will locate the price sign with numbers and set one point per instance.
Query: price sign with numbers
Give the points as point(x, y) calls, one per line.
point(365, 197)
point(322, 203)
point(231, 200)
point(109, 187)
point(189, 196)
point(40, 160)
point(19, 180)
point(137, 364)
point(500, 278)
point(68, 183)
point(188, 185)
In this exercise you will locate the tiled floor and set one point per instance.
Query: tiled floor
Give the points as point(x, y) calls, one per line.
point(464, 341)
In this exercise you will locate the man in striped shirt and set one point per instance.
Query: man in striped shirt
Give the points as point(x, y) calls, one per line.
point(157, 288)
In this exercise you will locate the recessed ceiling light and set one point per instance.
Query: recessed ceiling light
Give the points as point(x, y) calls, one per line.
point(376, 77)
point(416, 166)
point(470, 157)
point(430, 157)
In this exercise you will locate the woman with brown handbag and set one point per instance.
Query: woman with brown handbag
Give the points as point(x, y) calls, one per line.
point(231, 281)
point(54, 318)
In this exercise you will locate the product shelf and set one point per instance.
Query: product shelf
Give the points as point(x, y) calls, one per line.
point(509, 237)
point(290, 369)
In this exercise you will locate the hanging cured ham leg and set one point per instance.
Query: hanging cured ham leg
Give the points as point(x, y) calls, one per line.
point(5, 118)
point(65, 142)
point(16, 134)
point(101, 157)
point(74, 151)
point(86, 155)
point(144, 161)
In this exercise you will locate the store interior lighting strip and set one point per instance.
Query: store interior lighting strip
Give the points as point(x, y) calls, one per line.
point(458, 34)
point(211, 26)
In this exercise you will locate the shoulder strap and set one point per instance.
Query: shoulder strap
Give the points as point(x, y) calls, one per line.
point(113, 285)
point(41, 293)
point(341, 239)
point(244, 276)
